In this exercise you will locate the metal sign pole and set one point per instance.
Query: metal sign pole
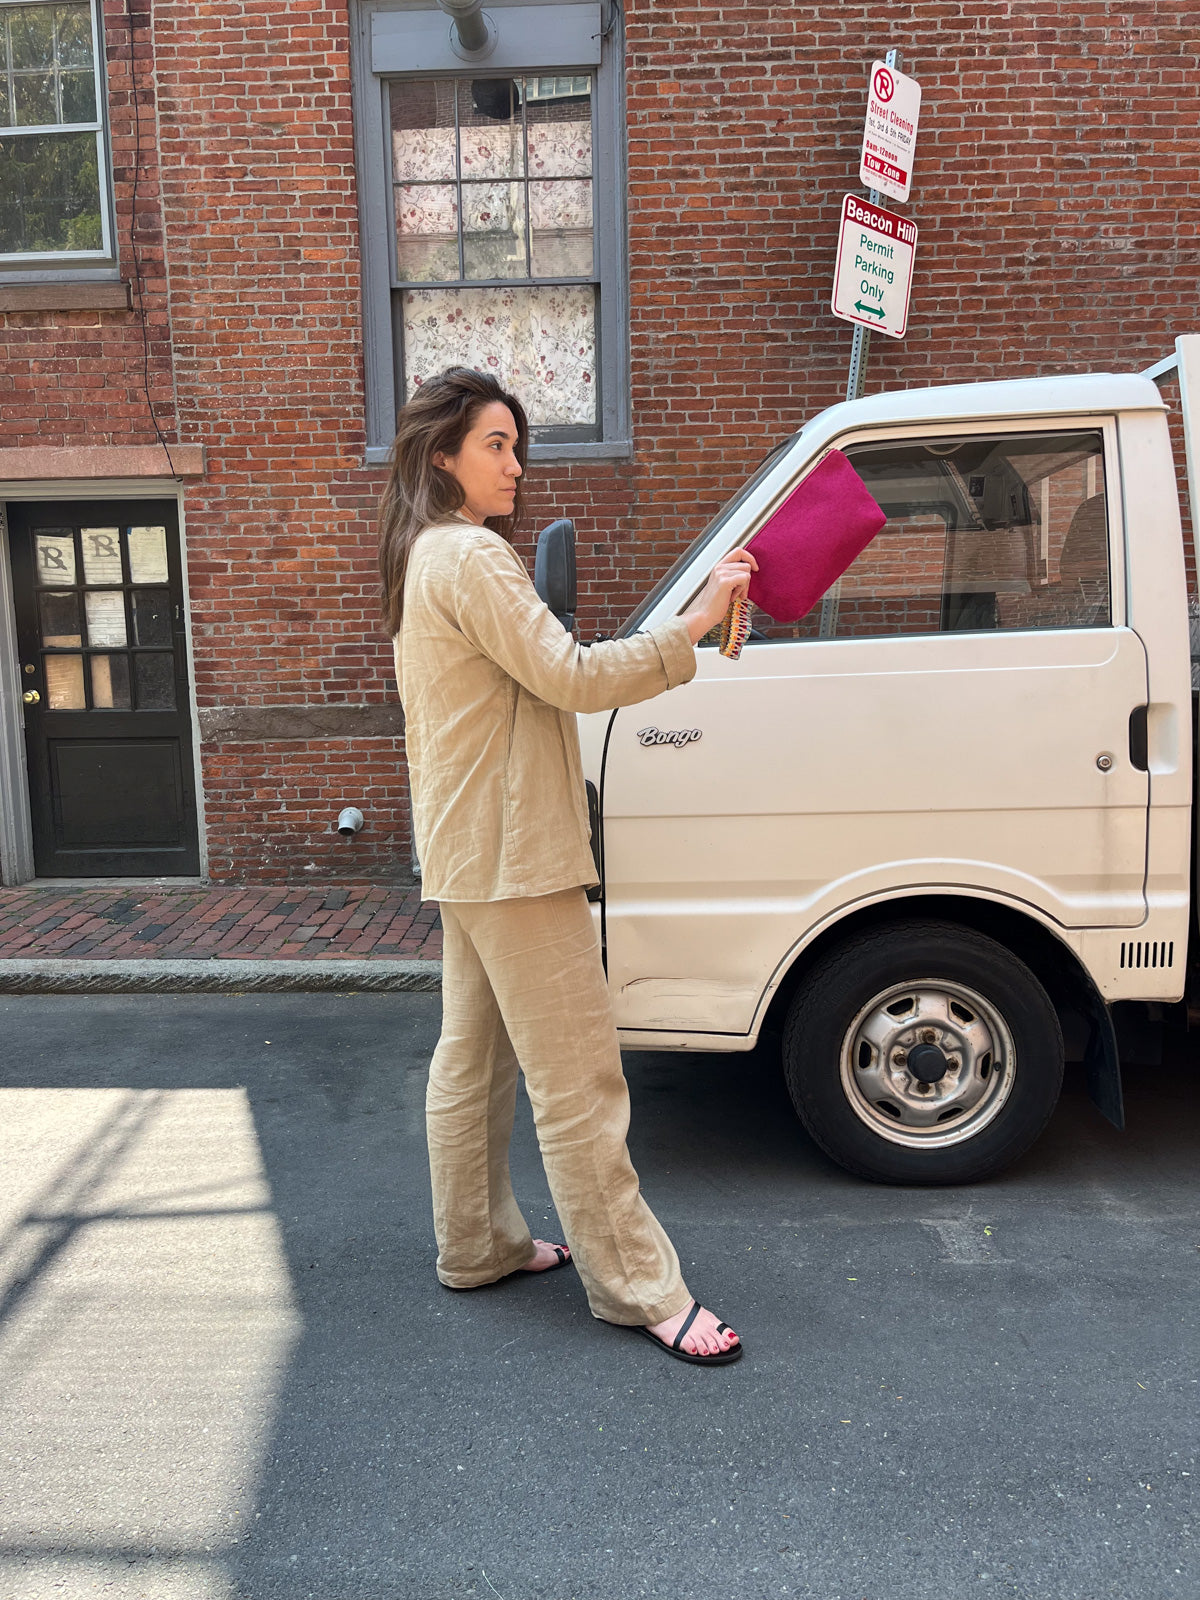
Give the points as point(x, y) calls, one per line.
point(860, 350)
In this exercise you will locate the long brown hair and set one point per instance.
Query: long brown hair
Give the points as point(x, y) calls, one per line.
point(437, 418)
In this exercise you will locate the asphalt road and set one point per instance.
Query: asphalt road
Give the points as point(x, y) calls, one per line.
point(227, 1371)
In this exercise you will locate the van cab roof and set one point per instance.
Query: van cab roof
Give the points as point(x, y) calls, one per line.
point(1079, 393)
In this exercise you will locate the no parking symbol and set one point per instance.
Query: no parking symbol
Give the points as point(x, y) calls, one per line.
point(890, 131)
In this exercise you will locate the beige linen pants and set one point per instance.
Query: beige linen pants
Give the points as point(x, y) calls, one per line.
point(523, 984)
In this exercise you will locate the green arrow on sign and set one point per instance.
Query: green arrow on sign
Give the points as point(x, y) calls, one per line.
point(874, 311)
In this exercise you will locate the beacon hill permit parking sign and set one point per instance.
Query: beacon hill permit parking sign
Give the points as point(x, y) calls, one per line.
point(873, 276)
point(890, 132)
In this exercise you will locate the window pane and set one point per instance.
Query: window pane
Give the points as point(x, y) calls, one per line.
point(64, 683)
point(427, 232)
point(494, 230)
point(49, 194)
point(34, 102)
point(78, 96)
point(984, 533)
point(60, 619)
point(151, 616)
point(491, 141)
point(47, 71)
point(560, 130)
point(105, 618)
point(148, 555)
point(110, 683)
point(56, 558)
point(75, 36)
point(31, 36)
point(155, 675)
point(101, 555)
point(539, 342)
point(422, 119)
point(561, 228)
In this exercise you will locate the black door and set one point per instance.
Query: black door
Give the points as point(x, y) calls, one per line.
point(99, 599)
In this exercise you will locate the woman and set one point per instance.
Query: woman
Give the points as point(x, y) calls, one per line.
point(490, 682)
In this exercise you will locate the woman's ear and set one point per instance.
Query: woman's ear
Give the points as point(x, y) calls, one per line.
point(439, 460)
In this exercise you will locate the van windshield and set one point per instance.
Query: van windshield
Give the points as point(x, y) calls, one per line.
point(709, 535)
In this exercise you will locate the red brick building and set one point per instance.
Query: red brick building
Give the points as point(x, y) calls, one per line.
point(232, 234)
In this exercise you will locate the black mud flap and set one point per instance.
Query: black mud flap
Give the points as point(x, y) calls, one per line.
point(1102, 1064)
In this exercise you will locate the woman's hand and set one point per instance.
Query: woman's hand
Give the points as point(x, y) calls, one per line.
point(728, 580)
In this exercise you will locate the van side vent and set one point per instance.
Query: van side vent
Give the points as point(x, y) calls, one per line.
point(1147, 953)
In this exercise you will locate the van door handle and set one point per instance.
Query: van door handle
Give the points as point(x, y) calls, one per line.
point(1138, 739)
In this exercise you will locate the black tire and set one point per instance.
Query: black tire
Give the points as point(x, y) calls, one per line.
point(938, 991)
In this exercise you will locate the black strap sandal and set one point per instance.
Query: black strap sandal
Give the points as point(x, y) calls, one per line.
point(560, 1250)
point(564, 1260)
point(675, 1348)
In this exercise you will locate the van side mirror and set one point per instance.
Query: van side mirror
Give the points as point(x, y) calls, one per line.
point(554, 570)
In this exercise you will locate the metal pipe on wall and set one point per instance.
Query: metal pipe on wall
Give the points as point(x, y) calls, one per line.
point(470, 26)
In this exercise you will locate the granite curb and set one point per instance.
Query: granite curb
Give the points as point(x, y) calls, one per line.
point(203, 976)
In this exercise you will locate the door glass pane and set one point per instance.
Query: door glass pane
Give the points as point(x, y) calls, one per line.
point(105, 617)
point(984, 533)
point(1016, 523)
point(151, 616)
point(101, 555)
point(56, 558)
point(64, 682)
point(110, 683)
point(148, 555)
point(60, 619)
point(155, 675)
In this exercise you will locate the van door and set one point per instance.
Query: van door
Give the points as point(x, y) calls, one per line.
point(99, 608)
point(955, 718)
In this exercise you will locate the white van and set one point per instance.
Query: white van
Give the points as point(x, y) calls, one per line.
point(952, 808)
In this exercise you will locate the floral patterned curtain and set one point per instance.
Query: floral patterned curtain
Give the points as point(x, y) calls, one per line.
point(539, 342)
point(493, 210)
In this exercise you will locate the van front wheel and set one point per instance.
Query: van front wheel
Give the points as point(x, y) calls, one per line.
point(923, 1052)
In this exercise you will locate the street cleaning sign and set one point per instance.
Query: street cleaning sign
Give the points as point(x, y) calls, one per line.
point(890, 132)
point(873, 276)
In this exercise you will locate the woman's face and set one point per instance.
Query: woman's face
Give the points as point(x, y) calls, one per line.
point(486, 466)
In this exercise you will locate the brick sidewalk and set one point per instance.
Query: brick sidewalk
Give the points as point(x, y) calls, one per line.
point(356, 922)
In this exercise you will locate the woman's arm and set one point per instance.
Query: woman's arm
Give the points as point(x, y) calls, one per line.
point(500, 612)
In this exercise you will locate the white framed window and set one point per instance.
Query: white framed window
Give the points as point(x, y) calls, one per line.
point(493, 211)
point(55, 206)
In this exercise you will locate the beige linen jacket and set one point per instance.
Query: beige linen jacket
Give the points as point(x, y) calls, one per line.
point(490, 681)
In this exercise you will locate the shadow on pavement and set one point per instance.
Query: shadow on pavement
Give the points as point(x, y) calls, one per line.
point(945, 1391)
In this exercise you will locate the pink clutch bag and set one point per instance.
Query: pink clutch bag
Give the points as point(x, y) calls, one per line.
point(822, 527)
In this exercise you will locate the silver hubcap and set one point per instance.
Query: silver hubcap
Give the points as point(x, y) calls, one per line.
point(927, 1063)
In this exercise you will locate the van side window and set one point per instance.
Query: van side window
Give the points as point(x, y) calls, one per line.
point(996, 532)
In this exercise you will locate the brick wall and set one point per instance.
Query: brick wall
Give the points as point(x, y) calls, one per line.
point(1055, 187)
point(261, 212)
point(81, 377)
